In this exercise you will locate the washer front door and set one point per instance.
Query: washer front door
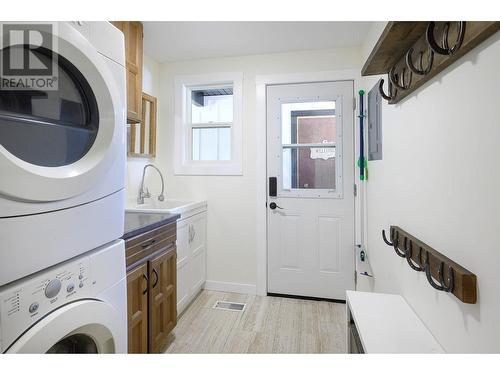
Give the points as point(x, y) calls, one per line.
point(85, 326)
point(57, 144)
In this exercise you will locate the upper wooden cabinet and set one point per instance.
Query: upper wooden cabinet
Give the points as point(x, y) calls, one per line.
point(133, 59)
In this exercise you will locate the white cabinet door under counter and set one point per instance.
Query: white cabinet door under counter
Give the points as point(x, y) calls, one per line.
point(191, 259)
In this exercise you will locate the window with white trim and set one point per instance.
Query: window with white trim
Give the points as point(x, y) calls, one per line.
point(208, 124)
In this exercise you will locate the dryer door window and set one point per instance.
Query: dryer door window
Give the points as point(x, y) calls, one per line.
point(49, 128)
point(75, 344)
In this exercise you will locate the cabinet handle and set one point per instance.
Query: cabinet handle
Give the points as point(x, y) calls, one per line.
point(147, 244)
point(190, 233)
point(194, 234)
point(156, 280)
point(147, 283)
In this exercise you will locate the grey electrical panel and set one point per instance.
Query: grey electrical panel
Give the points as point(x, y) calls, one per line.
point(374, 124)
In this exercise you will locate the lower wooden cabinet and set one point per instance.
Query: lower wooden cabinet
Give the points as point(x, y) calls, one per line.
point(137, 301)
point(162, 299)
point(151, 289)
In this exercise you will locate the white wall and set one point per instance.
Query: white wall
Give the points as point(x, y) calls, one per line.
point(151, 86)
point(232, 200)
point(439, 180)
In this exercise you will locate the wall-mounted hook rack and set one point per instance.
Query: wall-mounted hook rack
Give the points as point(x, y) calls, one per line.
point(401, 42)
point(451, 277)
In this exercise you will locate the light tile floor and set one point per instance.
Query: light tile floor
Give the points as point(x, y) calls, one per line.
point(267, 325)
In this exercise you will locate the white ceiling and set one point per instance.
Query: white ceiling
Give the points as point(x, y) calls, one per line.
point(175, 41)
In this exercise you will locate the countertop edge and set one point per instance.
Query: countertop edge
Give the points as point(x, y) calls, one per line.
point(167, 219)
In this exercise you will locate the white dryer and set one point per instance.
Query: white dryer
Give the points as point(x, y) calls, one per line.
point(62, 152)
point(78, 306)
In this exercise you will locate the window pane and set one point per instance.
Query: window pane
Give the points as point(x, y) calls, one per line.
point(308, 122)
point(214, 105)
point(212, 143)
point(224, 144)
point(309, 168)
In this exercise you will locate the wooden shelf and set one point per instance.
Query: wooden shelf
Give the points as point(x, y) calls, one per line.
point(398, 37)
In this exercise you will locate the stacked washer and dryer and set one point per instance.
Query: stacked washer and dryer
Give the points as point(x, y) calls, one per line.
point(62, 173)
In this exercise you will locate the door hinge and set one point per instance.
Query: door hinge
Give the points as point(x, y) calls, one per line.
point(353, 104)
point(355, 190)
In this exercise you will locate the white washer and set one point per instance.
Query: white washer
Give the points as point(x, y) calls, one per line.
point(78, 306)
point(62, 154)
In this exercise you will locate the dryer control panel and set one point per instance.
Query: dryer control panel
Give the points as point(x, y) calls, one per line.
point(25, 302)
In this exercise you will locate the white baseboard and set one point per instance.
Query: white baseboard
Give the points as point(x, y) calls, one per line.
point(222, 286)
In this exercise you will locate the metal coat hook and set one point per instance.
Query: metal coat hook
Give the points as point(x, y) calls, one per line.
point(392, 92)
point(431, 281)
point(450, 282)
point(408, 252)
point(444, 49)
point(388, 243)
point(443, 286)
point(394, 242)
point(420, 70)
point(395, 79)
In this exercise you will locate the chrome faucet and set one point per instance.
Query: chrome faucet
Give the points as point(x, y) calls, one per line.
point(146, 194)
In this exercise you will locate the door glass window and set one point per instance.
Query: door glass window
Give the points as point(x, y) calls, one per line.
point(74, 344)
point(50, 128)
point(309, 137)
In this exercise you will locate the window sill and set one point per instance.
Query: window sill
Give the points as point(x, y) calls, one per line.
point(209, 169)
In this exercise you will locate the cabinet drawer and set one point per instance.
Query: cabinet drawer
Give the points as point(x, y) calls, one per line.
point(146, 244)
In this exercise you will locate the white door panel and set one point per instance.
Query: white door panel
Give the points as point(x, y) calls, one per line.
point(183, 287)
point(310, 152)
point(191, 258)
point(198, 249)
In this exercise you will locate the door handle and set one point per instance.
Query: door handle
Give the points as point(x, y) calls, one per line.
point(274, 206)
point(156, 279)
point(147, 244)
point(190, 233)
point(147, 283)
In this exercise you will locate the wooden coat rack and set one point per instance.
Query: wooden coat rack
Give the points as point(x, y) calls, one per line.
point(451, 277)
point(412, 53)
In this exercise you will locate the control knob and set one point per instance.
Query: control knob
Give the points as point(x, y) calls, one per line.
point(52, 289)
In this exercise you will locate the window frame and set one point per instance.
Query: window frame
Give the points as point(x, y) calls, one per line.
point(184, 163)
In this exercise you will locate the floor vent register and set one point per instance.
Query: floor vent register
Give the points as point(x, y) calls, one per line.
point(226, 305)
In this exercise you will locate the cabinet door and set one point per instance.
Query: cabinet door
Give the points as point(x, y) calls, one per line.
point(162, 299)
point(183, 264)
point(134, 51)
point(133, 33)
point(198, 251)
point(137, 309)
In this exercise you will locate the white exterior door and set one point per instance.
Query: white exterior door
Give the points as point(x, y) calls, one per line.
point(310, 169)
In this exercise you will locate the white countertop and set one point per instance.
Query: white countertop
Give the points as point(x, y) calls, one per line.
point(387, 324)
point(183, 207)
